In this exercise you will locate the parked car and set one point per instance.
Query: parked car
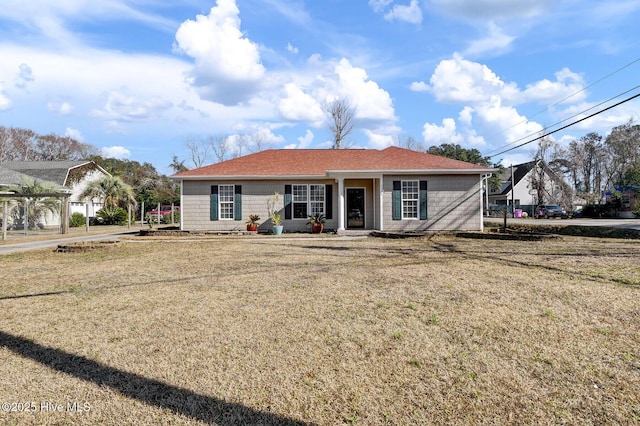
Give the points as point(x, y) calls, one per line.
point(550, 210)
point(164, 210)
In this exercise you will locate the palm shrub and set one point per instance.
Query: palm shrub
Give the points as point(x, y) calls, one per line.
point(112, 190)
point(111, 216)
point(76, 220)
point(38, 207)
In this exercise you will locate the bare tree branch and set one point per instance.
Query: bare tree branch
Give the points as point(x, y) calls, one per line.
point(199, 149)
point(341, 121)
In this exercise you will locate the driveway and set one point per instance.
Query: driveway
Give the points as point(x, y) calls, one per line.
point(610, 223)
point(23, 244)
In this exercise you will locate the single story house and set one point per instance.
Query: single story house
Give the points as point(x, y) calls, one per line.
point(71, 177)
point(393, 189)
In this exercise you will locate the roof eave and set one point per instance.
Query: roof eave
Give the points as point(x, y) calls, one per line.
point(247, 177)
point(336, 173)
point(340, 173)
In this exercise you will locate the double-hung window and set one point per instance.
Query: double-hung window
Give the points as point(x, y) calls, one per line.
point(317, 200)
point(410, 199)
point(226, 195)
point(308, 200)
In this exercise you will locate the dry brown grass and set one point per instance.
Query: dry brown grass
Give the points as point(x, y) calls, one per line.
point(261, 330)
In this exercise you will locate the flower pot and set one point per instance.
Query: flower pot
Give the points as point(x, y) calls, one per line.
point(277, 230)
point(317, 228)
point(252, 227)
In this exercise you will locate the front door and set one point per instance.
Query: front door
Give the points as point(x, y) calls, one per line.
point(355, 208)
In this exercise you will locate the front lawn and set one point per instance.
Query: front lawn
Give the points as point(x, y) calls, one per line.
point(268, 330)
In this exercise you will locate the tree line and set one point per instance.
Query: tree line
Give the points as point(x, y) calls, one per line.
point(593, 164)
point(149, 186)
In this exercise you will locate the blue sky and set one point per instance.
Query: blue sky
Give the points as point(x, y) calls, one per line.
point(139, 78)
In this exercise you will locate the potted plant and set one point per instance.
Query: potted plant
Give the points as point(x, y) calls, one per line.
point(275, 217)
point(317, 222)
point(252, 223)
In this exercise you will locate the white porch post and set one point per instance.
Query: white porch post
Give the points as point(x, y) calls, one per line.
point(381, 204)
point(482, 186)
point(340, 204)
point(181, 204)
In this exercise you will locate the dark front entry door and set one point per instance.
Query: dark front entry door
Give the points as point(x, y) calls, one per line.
point(355, 208)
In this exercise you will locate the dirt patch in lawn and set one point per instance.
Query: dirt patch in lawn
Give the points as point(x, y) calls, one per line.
point(325, 331)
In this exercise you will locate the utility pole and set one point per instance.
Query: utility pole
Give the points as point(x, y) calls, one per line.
point(513, 189)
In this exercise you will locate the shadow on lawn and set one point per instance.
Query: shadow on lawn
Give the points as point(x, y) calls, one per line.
point(149, 391)
point(510, 261)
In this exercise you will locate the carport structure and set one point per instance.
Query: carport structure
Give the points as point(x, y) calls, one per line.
point(10, 178)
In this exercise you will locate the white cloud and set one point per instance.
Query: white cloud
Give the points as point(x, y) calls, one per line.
point(50, 18)
point(25, 76)
point(482, 10)
point(419, 86)
point(123, 107)
point(448, 133)
point(465, 117)
point(5, 102)
point(74, 134)
point(433, 134)
point(567, 84)
point(118, 152)
point(506, 121)
point(300, 106)
point(321, 82)
point(411, 13)
point(371, 102)
point(62, 108)
point(227, 64)
point(306, 140)
point(380, 138)
point(458, 80)
point(292, 49)
point(496, 42)
point(379, 6)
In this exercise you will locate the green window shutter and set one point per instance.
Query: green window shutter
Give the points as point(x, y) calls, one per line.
point(213, 211)
point(423, 200)
point(237, 203)
point(288, 206)
point(328, 201)
point(396, 201)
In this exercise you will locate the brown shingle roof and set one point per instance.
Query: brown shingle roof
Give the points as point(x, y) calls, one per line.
point(317, 162)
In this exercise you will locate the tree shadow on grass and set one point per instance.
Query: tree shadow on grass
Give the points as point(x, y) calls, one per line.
point(149, 391)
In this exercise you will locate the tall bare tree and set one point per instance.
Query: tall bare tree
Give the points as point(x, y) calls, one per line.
point(414, 145)
point(623, 148)
point(199, 150)
point(546, 178)
point(341, 121)
point(26, 145)
point(220, 147)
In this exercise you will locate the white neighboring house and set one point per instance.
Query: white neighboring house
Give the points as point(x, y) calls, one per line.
point(522, 193)
point(73, 176)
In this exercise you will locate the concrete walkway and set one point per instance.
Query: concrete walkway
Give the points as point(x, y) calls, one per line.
point(17, 245)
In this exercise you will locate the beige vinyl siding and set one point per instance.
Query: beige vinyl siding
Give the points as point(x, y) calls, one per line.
point(195, 207)
point(452, 204)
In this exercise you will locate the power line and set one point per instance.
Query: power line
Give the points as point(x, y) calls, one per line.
point(577, 92)
point(568, 125)
point(568, 118)
point(569, 97)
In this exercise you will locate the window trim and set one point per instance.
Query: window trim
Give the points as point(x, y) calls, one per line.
point(309, 200)
point(416, 200)
point(221, 202)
